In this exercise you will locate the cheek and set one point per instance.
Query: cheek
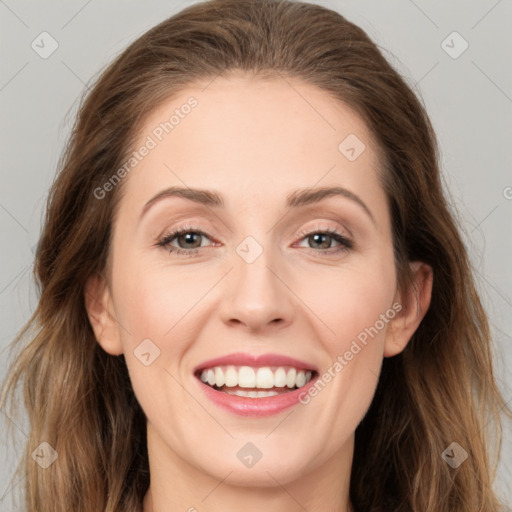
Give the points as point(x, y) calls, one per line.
point(357, 308)
point(150, 307)
point(351, 301)
point(154, 299)
point(153, 309)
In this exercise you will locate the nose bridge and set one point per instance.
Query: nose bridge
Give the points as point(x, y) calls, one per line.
point(257, 295)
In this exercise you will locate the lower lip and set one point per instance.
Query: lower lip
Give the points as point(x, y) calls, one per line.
point(265, 406)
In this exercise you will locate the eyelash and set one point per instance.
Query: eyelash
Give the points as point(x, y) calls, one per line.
point(165, 241)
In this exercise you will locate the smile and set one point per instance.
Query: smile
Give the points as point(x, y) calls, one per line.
point(255, 385)
point(255, 382)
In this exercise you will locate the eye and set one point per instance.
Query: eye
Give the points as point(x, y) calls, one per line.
point(323, 239)
point(188, 238)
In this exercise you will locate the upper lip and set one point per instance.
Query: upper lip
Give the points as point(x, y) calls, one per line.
point(245, 359)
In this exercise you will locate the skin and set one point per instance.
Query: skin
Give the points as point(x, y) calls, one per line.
point(254, 141)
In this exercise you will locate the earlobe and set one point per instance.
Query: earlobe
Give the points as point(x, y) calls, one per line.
point(98, 302)
point(414, 305)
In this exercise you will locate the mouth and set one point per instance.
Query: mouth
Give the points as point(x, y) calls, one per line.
point(255, 381)
point(253, 385)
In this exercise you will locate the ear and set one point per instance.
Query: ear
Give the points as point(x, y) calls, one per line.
point(414, 305)
point(100, 309)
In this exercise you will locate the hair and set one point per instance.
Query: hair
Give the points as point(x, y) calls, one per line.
point(79, 398)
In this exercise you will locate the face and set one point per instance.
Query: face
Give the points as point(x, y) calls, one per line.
point(267, 286)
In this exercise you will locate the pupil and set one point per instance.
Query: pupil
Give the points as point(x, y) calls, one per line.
point(316, 239)
point(189, 238)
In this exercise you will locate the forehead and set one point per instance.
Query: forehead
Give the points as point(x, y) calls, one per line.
point(253, 137)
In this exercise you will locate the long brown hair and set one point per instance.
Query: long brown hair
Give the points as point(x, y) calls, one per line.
point(440, 389)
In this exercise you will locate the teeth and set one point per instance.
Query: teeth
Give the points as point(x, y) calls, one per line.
point(230, 377)
point(301, 379)
point(251, 394)
point(280, 378)
point(291, 377)
point(264, 378)
point(219, 377)
point(249, 377)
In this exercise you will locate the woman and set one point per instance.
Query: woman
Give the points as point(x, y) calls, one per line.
point(319, 345)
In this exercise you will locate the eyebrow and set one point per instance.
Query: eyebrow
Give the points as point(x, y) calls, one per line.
point(296, 199)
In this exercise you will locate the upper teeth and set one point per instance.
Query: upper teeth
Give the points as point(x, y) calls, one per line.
point(248, 377)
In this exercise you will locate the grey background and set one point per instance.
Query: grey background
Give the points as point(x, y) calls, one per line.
point(469, 99)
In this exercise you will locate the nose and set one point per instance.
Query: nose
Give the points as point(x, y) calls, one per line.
point(257, 296)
